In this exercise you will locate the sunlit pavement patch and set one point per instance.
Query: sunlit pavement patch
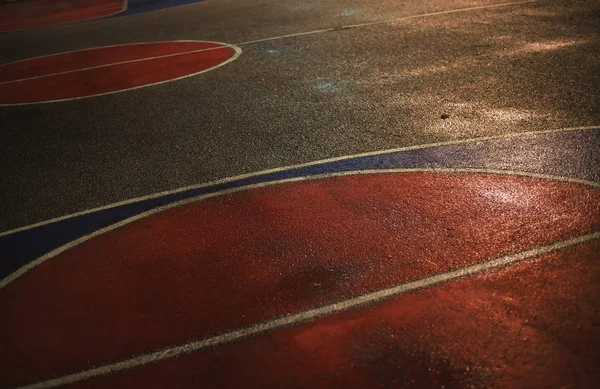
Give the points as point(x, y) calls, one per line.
point(233, 260)
point(110, 69)
point(24, 15)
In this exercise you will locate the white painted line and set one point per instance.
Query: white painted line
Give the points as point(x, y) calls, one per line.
point(24, 269)
point(110, 64)
point(287, 36)
point(279, 37)
point(450, 11)
point(312, 314)
point(289, 167)
point(387, 21)
point(237, 52)
point(107, 46)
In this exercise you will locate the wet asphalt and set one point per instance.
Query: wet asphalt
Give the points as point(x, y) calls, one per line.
point(523, 67)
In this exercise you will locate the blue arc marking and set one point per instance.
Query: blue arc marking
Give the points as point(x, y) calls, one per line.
point(569, 154)
point(141, 6)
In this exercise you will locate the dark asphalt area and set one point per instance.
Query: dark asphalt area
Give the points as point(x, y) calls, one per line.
point(524, 67)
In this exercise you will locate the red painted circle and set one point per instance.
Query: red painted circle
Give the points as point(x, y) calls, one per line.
point(24, 15)
point(237, 259)
point(105, 70)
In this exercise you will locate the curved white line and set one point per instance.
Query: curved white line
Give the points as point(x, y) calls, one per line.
point(236, 54)
point(289, 167)
point(24, 269)
point(287, 36)
point(315, 313)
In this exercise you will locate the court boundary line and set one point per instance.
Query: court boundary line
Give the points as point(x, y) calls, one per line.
point(315, 313)
point(296, 166)
point(76, 242)
point(386, 21)
point(237, 51)
point(466, 9)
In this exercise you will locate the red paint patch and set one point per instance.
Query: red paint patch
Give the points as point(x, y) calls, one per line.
point(105, 70)
point(24, 15)
point(532, 325)
point(230, 261)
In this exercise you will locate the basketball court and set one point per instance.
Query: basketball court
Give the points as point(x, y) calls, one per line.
point(299, 194)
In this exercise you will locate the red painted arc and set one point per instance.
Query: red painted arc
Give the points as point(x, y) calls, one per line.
point(508, 329)
point(108, 69)
point(237, 259)
point(99, 56)
point(44, 13)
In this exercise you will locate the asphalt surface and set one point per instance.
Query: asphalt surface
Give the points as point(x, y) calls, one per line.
point(524, 67)
point(441, 230)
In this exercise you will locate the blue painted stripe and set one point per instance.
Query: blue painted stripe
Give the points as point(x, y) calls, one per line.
point(141, 6)
point(569, 154)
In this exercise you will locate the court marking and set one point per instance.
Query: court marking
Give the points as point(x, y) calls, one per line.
point(33, 264)
point(135, 9)
point(123, 9)
point(309, 315)
point(236, 46)
point(312, 314)
point(126, 7)
point(301, 165)
point(386, 21)
point(237, 51)
point(110, 64)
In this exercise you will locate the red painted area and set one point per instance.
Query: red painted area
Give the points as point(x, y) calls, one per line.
point(24, 15)
point(233, 260)
point(57, 63)
point(105, 70)
point(533, 325)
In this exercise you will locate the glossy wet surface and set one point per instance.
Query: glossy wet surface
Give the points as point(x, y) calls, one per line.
point(396, 195)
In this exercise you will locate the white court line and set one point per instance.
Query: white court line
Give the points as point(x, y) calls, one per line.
point(104, 47)
point(287, 36)
point(31, 265)
point(236, 49)
point(312, 314)
point(290, 167)
point(109, 64)
point(386, 21)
